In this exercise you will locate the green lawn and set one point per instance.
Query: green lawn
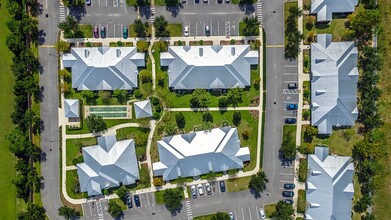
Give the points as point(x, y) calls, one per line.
point(301, 201)
point(132, 33)
point(238, 184)
point(175, 100)
point(74, 148)
point(287, 5)
point(71, 183)
point(131, 133)
point(160, 2)
point(248, 124)
point(205, 217)
point(175, 30)
point(242, 26)
point(336, 27)
point(340, 142)
point(270, 209)
point(86, 29)
point(7, 162)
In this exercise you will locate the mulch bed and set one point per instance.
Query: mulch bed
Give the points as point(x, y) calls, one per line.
point(195, 43)
point(228, 42)
point(254, 103)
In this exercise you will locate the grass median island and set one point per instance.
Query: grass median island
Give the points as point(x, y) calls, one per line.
point(270, 209)
point(86, 29)
point(74, 149)
point(303, 169)
point(248, 127)
point(287, 5)
point(159, 195)
point(238, 184)
point(7, 162)
point(175, 30)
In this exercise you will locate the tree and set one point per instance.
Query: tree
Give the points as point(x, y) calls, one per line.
point(145, 75)
point(251, 27)
point(236, 118)
point(207, 125)
point(157, 181)
point(364, 23)
point(310, 21)
point(161, 27)
point(68, 213)
point(172, 199)
point(66, 75)
point(122, 193)
point(114, 209)
point(309, 133)
point(33, 212)
point(74, 3)
point(180, 120)
point(235, 96)
point(142, 46)
point(200, 99)
point(62, 46)
point(88, 95)
point(170, 129)
point(70, 26)
point(121, 95)
point(220, 216)
point(283, 211)
point(105, 96)
point(362, 204)
point(139, 28)
point(223, 102)
point(171, 3)
point(137, 94)
point(207, 117)
point(258, 182)
point(95, 123)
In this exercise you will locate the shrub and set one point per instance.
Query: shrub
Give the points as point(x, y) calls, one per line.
point(145, 76)
point(232, 41)
point(155, 101)
point(137, 94)
point(158, 108)
point(142, 46)
point(88, 44)
point(180, 43)
point(157, 181)
point(306, 114)
point(119, 43)
point(236, 118)
point(201, 42)
point(223, 102)
point(256, 83)
point(156, 115)
point(207, 117)
point(245, 134)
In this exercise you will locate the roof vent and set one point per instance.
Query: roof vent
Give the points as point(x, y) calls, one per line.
point(118, 53)
point(86, 53)
point(233, 51)
point(201, 51)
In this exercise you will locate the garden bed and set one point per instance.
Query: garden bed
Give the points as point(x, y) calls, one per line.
point(201, 43)
point(301, 201)
point(303, 167)
point(90, 44)
point(232, 42)
point(121, 44)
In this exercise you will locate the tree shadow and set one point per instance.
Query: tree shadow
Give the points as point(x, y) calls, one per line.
point(77, 12)
point(36, 9)
point(174, 10)
point(176, 211)
point(247, 8)
point(41, 37)
point(255, 193)
point(145, 11)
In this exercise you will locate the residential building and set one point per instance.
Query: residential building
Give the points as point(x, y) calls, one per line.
point(143, 109)
point(110, 163)
point(324, 9)
point(71, 108)
point(209, 67)
point(199, 153)
point(334, 77)
point(329, 186)
point(104, 68)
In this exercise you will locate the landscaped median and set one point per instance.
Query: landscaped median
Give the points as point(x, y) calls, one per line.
point(301, 201)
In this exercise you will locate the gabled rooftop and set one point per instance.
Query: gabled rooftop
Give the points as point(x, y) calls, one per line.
point(324, 9)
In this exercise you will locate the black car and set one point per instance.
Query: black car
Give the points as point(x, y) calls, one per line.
point(292, 86)
point(288, 201)
point(129, 202)
point(290, 120)
point(289, 186)
point(103, 32)
point(219, 1)
point(137, 200)
point(287, 193)
point(222, 186)
point(197, 1)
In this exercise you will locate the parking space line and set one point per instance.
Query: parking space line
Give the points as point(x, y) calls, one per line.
point(235, 213)
point(114, 30)
point(249, 211)
point(290, 66)
point(287, 174)
point(218, 28)
point(242, 214)
point(196, 30)
point(106, 3)
point(285, 181)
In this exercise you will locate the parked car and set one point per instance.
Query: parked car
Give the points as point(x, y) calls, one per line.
point(292, 86)
point(290, 120)
point(200, 189)
point(125, 33)
point(88, 2)
point(231, 216)
point(287, 193)
point(222, 186)
point(205, 1)
point(219, 1)
point(197, 1)
point(262, 214)
point(208, 188)
point(207, 31)
point(129, 201)
point(193, 191)
point(103, 32)
point(289, 186)
point(183, 1)
point(186, 31)
point(96, 32)
point(291, 106)
point(137, 200)
point(288, 201)
point(226, 1)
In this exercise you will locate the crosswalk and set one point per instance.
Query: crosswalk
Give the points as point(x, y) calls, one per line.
point(100, 210)
point(188, 210)
point(62, 13)
point(152, 18)
point(259, 12)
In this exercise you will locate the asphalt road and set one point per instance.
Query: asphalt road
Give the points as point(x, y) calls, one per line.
point(49, 107)
point(279, 72)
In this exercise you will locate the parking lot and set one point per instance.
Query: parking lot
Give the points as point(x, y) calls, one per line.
point(289, 96)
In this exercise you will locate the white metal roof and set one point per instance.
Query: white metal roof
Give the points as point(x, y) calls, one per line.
point(200, 152)
point(333, 84)
point(325, 8)
point(104, 68)
point(143, 109)
point(209, 67)
point(71, 107)
point(329, 186)
point(107, 164)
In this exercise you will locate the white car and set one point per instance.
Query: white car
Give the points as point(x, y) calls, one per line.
point(262, 214)
point(208, 189)
point(186, 32)
point(193, 191)
point(231, 216)
point(200, 189)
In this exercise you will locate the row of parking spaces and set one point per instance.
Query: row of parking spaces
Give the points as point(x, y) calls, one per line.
point(112, 30)
point(143, 200)
point(246, 213)
point(107, 3)
point(290, 92)
point(207, 189)
point(95, 209)
point(213, 28)
point(205, 2)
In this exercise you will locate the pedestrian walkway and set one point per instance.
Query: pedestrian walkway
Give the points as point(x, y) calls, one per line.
point(188, 209)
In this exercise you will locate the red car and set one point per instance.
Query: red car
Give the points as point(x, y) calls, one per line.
point(96, 32)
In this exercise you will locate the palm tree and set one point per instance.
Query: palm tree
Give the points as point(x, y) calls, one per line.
point(68, 213)
point(258, 182)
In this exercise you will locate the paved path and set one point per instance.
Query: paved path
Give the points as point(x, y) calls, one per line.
point(213, 109)
point(109, 131)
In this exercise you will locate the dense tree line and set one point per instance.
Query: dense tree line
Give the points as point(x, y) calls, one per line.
point(24, 32)
point(293, 35)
